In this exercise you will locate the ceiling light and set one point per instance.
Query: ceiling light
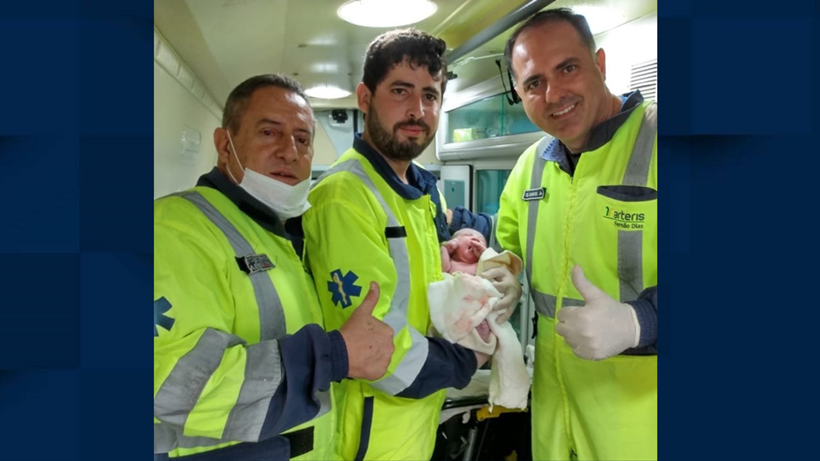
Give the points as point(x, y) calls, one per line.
point(325, 67)
point(325, 91)
point(600, 19)
point(386, 13)
point(324, 40)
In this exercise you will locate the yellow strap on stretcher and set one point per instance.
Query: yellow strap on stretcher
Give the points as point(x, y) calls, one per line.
point(484, 412)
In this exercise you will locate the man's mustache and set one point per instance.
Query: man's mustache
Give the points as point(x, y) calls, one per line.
point(411, 123)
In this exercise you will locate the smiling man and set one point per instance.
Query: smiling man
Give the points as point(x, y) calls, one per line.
point(242, 365)
point(585, 197)
point(376, 216)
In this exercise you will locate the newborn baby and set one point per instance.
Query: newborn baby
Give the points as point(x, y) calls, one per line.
point(462, 311)
point(461, 254)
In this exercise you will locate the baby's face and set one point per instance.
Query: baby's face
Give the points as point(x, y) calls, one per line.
point(470, 248)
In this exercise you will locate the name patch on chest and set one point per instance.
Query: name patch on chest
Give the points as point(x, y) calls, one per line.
point(535, 194)
point(252, 264)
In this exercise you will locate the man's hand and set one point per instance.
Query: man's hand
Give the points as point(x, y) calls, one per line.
point(369, 341)
point(480, 359)
point(603, 327)
point(507, 284)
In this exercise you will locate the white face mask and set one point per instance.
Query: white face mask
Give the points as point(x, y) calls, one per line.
point(285, 200)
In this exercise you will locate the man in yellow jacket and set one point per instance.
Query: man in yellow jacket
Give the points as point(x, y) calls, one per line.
point(581, 208)
point(376, 216)
point(242, 364)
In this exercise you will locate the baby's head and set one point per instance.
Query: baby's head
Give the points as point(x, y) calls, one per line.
point(467, 232)
point(471, 244)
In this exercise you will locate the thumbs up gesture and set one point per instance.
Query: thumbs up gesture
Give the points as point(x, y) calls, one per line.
point(602, 327)
point(369, 341)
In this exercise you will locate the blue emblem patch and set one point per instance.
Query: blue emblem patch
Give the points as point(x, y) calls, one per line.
point(161, 306)
point(342, 287)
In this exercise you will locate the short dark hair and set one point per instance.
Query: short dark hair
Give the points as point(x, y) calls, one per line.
point(393, 47)
point(579, 22)
point(239, 97)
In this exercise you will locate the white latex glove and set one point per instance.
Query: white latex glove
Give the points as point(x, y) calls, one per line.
point(603, 327)
point(507, 284)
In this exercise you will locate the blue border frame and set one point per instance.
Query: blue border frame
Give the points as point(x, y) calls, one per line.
point(738, 92)
point(76, 177)
point(738, 159)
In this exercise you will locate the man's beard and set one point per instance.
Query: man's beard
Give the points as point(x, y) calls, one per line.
point(389, 145)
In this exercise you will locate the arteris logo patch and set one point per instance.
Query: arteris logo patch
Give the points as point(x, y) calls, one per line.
point(624, 220)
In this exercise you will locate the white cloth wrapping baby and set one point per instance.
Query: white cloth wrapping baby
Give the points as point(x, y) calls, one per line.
point(461, 302)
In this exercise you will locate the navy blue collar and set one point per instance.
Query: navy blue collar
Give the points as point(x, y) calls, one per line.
point(601, 134)
point(256, 210)
point(420, 181)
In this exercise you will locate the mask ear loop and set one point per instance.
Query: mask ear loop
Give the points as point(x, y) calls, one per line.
point(233, 149)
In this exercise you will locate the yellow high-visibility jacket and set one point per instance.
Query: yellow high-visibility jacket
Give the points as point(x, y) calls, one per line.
point(603, 218)
point(365, 225)
point(240, 354)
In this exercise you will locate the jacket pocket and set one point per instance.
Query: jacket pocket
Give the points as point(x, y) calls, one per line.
point(628, 193)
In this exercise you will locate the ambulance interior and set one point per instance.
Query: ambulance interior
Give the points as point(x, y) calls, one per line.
point(204, 48)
